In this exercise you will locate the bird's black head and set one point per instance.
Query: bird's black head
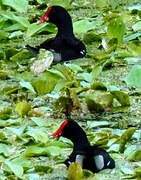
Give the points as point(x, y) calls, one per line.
point(71, 130)
point(68, 129)
point(56, 15)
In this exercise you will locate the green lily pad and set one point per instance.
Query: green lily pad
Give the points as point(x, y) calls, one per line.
point(137, 26)
point(133, 79)
point(16, 168)
point(18, 5)
point(75, 172)
point(116, 29)
point(85, 25)
point(5, 113)
point(138, 172)
point(98, 86)
point(43, 168)
point(45, 83)
point(10, 52)
point(3, 75)
point(136, 155)
point(39, 134)
point(98, 100)
point(126, 136)
point(91, 37)
point(122, 97)
point(23, 108)
point(5, 150)
point(23, 54)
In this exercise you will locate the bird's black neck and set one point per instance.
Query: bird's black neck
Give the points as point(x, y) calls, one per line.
point(80, 140)
point(65, 28)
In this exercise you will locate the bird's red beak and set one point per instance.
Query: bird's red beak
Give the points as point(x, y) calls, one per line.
point(58, 133)
point(45, 17)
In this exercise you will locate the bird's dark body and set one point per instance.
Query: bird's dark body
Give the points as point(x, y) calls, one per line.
point(92, 158)
point(88, 162)
point(64, 43)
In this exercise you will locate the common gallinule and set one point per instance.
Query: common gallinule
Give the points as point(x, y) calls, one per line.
point(64, 46)
point(89, 157)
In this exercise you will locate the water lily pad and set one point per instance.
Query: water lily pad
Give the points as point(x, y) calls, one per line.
point(138, 172)
point(137, 26)
point(5, 149)
point(19, 5)
point(75, 171)
point(39, 134)
point(133, 79)
point(45, 83)
point(136, 155)
point(16, 168)
point(43, 168)
point(92, 124)
point(98, 86)
point(91, 37)
point(99, 100)
point(5, 113)
point(22, 55)
point(27, 85)
point(83, 26)
point(23, 108)
point(10, 52)
point(122, 97)
point(3, 75)
point(116, 29)
point(33, 28)
point(126, 136)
